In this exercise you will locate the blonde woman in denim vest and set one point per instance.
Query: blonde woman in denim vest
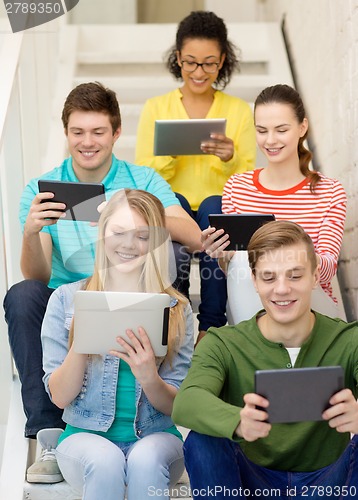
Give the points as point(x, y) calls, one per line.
point(119, 438)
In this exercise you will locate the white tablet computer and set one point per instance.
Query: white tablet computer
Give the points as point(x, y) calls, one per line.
point(184, 137)
point(239, 227)
point(298, 394)
point(100, 317)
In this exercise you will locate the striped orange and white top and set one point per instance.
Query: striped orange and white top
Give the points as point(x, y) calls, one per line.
point(321, 214)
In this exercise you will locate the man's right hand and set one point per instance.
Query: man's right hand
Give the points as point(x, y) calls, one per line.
point(253, 423)
point(42, 214)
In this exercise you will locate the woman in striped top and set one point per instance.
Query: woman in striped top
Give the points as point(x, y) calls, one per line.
point(286, 187)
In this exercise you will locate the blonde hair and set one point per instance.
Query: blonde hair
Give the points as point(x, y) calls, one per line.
point(155, 272)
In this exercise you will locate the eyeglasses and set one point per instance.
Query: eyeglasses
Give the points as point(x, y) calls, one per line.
point(191, 66)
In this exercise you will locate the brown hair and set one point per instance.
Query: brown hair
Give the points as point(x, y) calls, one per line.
point(277, 234)
point(92, 96)
point(155, 272)
point(284, 94)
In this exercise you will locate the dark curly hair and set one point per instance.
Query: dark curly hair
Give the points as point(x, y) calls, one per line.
point(284, 94)
point(208, 26)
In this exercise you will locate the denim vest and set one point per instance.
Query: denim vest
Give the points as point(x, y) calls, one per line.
point(94, 407)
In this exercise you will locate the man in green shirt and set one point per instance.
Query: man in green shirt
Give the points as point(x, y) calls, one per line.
point(232, 451)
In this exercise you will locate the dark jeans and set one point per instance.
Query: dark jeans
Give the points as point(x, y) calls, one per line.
point(182, 260)
point(25, 305)
point(218, 468)
point(213, 291)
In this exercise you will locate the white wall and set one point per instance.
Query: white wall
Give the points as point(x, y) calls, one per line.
point(166, 11)
point(108, 12)
point(236, 11)
point(322, 36)
point(159, 11)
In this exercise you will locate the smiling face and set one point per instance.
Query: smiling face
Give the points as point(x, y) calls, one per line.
point(126, 241)
point(278, 132)
point(284, 279)
point(199, 50)
point(90, 142)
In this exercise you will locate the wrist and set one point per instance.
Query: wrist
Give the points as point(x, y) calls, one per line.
point(151, 383)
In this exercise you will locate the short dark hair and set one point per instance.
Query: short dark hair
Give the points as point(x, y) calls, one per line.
point(208, 26)
point(277, 234)
point(92, 96)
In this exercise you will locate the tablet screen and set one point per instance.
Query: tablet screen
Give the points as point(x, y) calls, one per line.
point(298, 394)
point(81, 198)
point(184, 137)
point(239, 227)
point(100, 317)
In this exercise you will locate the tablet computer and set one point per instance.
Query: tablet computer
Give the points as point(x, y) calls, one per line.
point(184, 137)
point(81, 198)
point(239, 227)
point(100, 317)
point(298, 394)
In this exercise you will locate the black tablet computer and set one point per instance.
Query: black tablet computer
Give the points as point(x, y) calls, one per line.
point(298, 394)
point(81, 198)
point(239, 227)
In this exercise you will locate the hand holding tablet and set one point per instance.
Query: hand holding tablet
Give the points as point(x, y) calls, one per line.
point(239, 227)
point(81, 198)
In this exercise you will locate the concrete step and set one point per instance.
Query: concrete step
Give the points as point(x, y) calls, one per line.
point(63, 491)
point(135, 89)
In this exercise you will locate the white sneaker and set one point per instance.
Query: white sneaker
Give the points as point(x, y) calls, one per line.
point(45, 469)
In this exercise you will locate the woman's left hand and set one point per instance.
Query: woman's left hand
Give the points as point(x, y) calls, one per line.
point(140, 357)
point(220, 146)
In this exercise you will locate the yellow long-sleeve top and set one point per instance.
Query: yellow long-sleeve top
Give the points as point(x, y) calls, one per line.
point(198, 176)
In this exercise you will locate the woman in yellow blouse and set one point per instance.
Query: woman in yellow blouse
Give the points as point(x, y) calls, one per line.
point(204, 60)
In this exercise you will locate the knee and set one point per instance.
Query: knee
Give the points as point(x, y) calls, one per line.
point(211, 205)
point(142, 464)
point(199, 447)
point(193, 441)
point(25, 293)
point(98, 458)
point(184, 203)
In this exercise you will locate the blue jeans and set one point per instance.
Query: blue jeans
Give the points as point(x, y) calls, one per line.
point(182, 261)
point(98, 468)
point(213, 292)
point(25, 305)
point(217, 465)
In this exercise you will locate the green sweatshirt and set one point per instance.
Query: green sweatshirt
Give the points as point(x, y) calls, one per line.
point(222, 371)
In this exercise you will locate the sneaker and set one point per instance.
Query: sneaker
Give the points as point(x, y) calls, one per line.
point(45, 469)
